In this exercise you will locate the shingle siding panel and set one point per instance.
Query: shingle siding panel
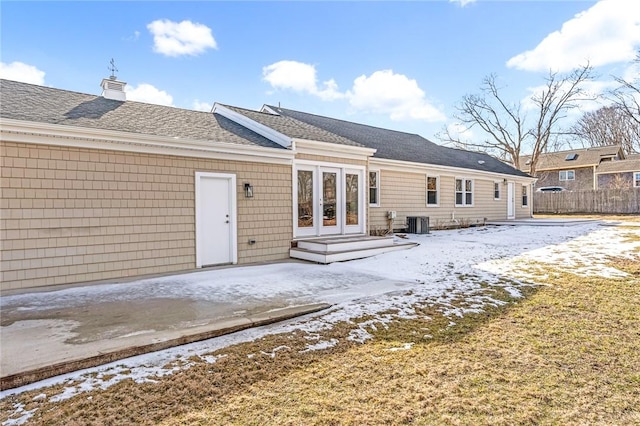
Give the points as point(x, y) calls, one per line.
point(81, 225)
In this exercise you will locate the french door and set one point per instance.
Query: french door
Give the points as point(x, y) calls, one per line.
point(329, 200)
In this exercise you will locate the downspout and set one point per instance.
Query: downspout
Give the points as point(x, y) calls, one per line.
point(595, 179)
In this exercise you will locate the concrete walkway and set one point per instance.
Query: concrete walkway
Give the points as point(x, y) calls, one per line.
point(41, 345)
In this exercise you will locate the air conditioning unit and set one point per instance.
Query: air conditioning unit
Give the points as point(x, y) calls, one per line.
point(418, 224)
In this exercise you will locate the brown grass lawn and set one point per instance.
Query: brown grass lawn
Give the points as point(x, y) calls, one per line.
point(567, 354)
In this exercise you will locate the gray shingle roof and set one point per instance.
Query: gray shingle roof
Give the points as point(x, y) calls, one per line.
point(631, 165)
point(395, 145)
point(22, 101)
point(293, 128)
point(585, 157)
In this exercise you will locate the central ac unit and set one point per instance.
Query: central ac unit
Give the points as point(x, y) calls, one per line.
point(418, 224)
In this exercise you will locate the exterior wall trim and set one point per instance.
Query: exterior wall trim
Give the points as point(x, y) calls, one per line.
point(404, 166)
point(250, 124)
point(82, 137)
point(307, 146)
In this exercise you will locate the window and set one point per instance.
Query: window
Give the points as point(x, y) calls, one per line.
point(374, 188)
point(525, 196)
point(464, 192)
point(496, 190)
point(432, 190)
point(567, 175)
point(636, 179)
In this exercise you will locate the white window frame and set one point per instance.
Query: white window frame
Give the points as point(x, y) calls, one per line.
point(376, 204)
point(437, 178)
point(526, 192)
point(566, 175)
point(498, 185)
point(464, 192)
point(636, 179)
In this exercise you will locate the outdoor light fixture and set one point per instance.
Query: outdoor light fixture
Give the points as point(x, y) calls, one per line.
point(248, 190)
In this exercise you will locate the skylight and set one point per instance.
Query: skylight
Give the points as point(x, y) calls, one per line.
point(571, 157)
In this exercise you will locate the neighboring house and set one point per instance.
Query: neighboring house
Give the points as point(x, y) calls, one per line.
point(572, 169)
point(97, 187)
point(619, 174)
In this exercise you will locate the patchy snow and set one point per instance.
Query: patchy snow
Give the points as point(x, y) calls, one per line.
point(405, 347)
point(449, 270)
point(323, 344)
point(585, 255)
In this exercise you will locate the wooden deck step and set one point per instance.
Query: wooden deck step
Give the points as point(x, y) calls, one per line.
point(340, 249)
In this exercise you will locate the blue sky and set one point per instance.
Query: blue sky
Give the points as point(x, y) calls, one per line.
point(400, 65)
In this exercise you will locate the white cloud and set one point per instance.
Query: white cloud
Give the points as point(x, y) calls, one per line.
point(606, 33)
point(462, 3)
point(19, 71)
point(148, 94)
point(299, 77)
point(134, 37)
point(181, 38)
point(385, 92)
point(202, 106)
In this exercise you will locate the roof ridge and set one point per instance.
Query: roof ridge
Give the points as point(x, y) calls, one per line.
point(345, 121)
point(55, 89)
point(590, 148)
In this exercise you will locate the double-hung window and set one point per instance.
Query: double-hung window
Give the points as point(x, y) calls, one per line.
point(432, 190)
point(374, 188)
point(567, 175)
point(525, 196)
point(496, 190)
point(636, 179)
point(464, 192)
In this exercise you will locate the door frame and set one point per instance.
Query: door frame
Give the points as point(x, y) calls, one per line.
point(511, 200)
point(232, 202)
point(316, 230)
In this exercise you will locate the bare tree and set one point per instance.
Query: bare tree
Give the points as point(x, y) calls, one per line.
point(627, 95)
point(608, 126)
point(508, 130)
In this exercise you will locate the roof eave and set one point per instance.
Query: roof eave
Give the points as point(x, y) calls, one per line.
point(401, 165)
point(83, 137)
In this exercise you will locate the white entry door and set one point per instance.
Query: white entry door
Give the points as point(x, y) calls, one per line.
point(216, 226)
point(511, 201)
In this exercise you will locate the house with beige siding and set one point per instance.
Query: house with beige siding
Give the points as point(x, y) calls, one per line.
point(410, 176)
point(100, 188)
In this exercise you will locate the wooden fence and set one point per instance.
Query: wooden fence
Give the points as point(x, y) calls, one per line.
point(615, 201)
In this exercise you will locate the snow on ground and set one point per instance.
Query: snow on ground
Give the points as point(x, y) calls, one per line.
point(445, 267)
point(586, 255)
